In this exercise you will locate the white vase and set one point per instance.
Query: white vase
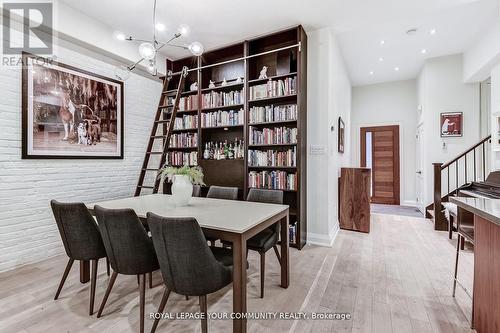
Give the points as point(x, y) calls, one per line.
point(182, 190)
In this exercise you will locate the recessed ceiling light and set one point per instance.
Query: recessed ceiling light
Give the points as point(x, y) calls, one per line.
point(119, 35)
point(432, 31)
point(160, 26)
point(424, 51)
point(382, 42)
point(380, 59)
point(396, 69)
point(372, 72)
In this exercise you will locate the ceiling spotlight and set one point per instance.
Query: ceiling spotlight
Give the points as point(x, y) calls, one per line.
point(424, 51)
point(196, 48)
point(160, 26)
point(380, 59)
point(119, 35)
point(183, 30)
point(152, 67)
point(396, 69)
point(372, 72)
point(382, 42)
point(432, 31)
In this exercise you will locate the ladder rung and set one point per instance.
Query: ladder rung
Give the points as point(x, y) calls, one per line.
point(164, 106)
point(150, 169)
point(170, 91)
point(142, 186)
point(162, 121)
point(154, 152)
point(157, 136)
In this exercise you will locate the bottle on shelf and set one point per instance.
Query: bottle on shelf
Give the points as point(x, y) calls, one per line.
point(206, 152)
point(225, 150)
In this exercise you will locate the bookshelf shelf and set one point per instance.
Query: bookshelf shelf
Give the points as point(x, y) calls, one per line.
point(240, 61)
point(182, 148)
point(180, 130)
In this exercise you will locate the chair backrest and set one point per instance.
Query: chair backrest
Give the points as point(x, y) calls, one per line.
point(267, 196)
point(196, 190)
point(220, 192)
point(186, 262)
point(129, 248)
point(78, 229)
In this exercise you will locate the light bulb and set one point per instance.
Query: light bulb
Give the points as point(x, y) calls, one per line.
point(147, 50)
point(184, 30)
point(122, 73)
point(160, 26)
point(196, 48)
point(152, 67)
point(119, 35)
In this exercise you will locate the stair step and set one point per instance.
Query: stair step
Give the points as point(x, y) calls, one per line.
point(431, 212)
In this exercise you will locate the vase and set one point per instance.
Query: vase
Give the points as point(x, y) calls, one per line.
point(182, 190)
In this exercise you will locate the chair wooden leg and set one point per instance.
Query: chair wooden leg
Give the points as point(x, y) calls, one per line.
point(456, 265)
point(151, 280)
point(262, 272)
point(187, 298)
point(106, 295)
point(63, 279)
point(462, 244)
point(163, 302)
point(277, 253)
point(142, 296)
point(93, 278)
point(204, 319)
point(107, 266)
point(450, 227)
point(138, 279)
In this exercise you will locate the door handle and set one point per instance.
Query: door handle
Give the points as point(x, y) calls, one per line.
point(419, 172)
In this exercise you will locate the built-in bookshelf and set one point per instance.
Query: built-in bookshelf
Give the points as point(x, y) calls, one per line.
point(243, 130)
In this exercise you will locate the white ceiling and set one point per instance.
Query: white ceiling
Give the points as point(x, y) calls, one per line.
point(360, 25)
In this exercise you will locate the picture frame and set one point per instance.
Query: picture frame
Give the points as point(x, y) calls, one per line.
point(341, 135)
point(69, 113)
point(451, 124)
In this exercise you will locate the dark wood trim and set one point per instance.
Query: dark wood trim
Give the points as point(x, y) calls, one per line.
point(24, 111)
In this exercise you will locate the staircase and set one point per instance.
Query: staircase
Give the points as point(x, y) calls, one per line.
point(160, 136)
point(471, 165)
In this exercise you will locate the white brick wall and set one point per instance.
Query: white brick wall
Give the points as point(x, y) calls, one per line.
point(28, 232)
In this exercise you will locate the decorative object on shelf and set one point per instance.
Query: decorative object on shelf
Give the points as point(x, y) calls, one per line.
point(451, 124)
point(239, 80)
point(183, 179)
point(263, 73)
point(148, 49)
point(193, 86)
point(211, 84)
point(341, 135)
point(224, 83)
point(59, 121)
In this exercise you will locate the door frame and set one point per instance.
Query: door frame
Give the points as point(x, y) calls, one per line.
point(396, 162)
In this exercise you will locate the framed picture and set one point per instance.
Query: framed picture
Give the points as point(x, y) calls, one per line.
point(451, 124)
point(341, 135)
point(69, 113)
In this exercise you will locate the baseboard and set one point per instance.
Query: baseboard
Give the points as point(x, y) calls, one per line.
point(322, 239)
point(410, 203)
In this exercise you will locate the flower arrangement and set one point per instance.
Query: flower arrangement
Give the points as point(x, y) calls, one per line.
point(195, 173)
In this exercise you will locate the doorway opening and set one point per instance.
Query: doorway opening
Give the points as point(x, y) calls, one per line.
point(380, 153)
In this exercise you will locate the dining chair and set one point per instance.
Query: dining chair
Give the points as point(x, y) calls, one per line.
point(187, 264)
point(221, 192)
point(268, 238)
point(130, 250)
point(196, 191)
point(81, 239)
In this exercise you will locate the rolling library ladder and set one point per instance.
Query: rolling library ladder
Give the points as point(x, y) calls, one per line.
point(166, 127)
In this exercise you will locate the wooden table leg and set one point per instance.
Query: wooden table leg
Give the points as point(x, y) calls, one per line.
point(285, 258)
point(84, 271)
point(239, 283)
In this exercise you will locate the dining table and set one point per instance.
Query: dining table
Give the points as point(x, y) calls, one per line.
point(230, 220)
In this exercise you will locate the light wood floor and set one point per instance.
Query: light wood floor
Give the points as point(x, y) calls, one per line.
point(396, 279)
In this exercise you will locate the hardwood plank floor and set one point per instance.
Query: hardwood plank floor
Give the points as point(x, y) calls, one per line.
point(398, 278)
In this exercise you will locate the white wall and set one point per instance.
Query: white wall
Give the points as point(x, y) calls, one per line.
point(393, 103)
point(329, 96)
point(28, 232)
point(441, 89)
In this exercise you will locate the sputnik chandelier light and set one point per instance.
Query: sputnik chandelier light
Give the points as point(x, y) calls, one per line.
point(148, 49)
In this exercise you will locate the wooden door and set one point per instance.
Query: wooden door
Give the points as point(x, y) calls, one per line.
point(380, 152)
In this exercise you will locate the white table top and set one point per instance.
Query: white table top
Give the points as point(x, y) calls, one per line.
point(227, 215)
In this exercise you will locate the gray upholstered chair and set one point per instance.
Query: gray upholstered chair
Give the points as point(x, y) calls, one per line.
point(187, 264)
point(220, 192)
point(268, 238)
point(196, 191)
point(81, 238)
point(130, 250)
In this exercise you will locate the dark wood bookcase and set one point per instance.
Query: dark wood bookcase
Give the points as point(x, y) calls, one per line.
point(285, 55)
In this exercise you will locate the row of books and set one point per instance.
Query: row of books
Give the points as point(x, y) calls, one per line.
point(273, 158)
point(222, 118)
point(274, 88)
point(188, 103)
point(216, 99)
point(273, 180)
point(178, 158)
point(276, 135)
point(270, 113)
point(184, 140)
point(186, 122)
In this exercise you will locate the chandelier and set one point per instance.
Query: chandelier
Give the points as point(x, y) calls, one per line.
point(148, 49)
